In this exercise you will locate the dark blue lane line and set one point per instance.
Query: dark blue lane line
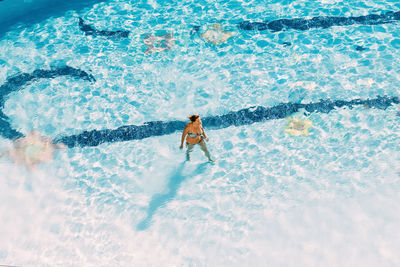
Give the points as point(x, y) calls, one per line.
point(16, 83)
point(89, 30)
point(274, 25)
point(319, 22)
point(123, 133)
point(360, 48)
point(235, 118)
point(157, 128)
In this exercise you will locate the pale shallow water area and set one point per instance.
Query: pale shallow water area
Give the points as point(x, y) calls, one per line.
point(329, 198)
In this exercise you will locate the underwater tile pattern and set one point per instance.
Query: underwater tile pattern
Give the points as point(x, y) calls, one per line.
point(84, 79)
point(320, 22)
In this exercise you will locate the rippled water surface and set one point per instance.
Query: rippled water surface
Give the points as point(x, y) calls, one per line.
point(270, 199)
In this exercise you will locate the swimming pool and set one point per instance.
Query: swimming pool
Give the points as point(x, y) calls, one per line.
point(122, 194)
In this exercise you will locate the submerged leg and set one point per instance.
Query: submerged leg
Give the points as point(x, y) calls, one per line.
point(189, 149)
point(205, 150)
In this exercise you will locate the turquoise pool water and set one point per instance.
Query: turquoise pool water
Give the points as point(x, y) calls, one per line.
point(271, 199)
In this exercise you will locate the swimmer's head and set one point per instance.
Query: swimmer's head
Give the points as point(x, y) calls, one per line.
point(193, 118)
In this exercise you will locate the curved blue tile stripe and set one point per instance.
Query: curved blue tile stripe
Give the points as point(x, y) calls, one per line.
point(157, 128)
point(319, 22)
point(89, 30)
point(16, 83)
point(123, 133)
point(274, 25)
point(235, 118)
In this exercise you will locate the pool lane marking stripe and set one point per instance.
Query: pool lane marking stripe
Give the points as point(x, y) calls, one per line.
point(17, 82)
point(277, 25)
point(319, 22)
point(157, 128)
point(235, 118)
point(90, 30)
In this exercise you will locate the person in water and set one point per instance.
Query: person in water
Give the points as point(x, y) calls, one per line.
point(195, 135)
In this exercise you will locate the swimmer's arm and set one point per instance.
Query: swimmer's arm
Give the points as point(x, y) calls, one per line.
point(184, 133)
point(204, 134)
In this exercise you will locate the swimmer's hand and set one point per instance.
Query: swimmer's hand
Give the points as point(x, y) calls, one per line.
point(181, 147)
point(207, 139)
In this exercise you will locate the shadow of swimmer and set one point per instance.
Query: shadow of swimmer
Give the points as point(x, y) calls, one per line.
point(175, 180)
